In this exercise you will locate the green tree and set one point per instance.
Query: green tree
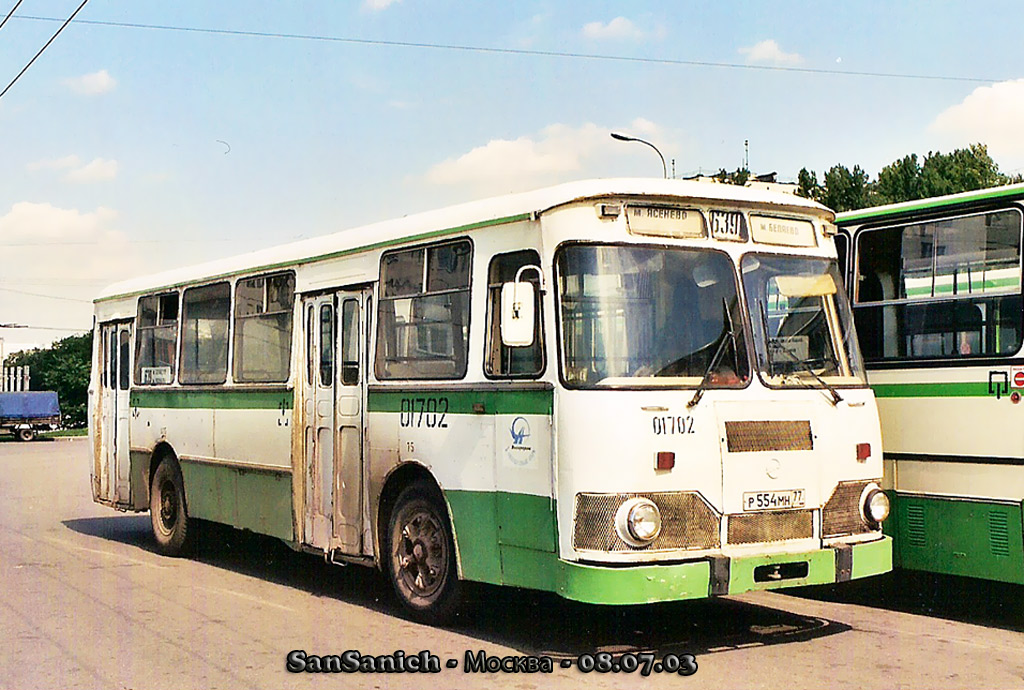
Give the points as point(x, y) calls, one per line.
point(900, 181)
point(62, 367)
point(963, 170)
point(845, 189)
point(807, 185)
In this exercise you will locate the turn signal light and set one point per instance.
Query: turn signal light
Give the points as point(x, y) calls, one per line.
point(666, 460)
point(863, 451)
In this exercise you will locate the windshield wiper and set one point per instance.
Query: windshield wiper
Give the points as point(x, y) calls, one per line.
point(727, 337)
point(802, 365)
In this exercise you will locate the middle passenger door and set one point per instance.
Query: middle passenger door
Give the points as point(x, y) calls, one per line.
point(349, 418)
point(335, 406)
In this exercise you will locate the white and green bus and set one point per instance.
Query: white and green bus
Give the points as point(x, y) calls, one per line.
point(621, 391)
point(936, 289)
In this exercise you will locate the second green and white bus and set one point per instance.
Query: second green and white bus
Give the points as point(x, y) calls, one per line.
point(936, 285)
point(621, 391)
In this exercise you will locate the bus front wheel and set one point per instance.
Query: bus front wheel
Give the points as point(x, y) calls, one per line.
point(421, 555)
point(171, 525)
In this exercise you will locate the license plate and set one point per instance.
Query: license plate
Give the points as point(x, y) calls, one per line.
point(773, 500)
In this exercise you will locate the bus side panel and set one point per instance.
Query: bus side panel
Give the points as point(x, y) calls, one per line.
point(960, 537)
point(491, 456)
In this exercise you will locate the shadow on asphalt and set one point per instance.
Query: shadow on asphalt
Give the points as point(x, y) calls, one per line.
point(531, 622)
point(961, 599)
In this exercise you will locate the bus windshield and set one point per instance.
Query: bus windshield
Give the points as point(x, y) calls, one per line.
point(802, 323)
point(645, 316)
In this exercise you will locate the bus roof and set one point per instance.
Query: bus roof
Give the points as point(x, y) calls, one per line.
point(454, 219)
point(1013, 191)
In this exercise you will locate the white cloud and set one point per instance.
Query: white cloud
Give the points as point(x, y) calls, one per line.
point(92, 84)
point(66, 253)
point(96, 170)
point(557, 153)
point(990, 115)
point(378, 5)
point(35, 222)
point(768, 52)
point(618, 28)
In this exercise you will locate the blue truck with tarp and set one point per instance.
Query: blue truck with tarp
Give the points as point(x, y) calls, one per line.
point(23, 413)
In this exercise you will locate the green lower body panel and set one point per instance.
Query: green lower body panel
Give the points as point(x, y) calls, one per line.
point(958, 537)
point(645, 584)
point(256, 500)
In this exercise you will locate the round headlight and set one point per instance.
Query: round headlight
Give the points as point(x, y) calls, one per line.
point(638, 522)
point(874, 505)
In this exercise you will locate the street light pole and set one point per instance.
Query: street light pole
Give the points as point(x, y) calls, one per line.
point(623, 137)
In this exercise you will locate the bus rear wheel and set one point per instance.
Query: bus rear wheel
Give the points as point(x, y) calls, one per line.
point(421, 555)
point(172, 527)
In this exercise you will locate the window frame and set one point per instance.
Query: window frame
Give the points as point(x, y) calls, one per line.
point(228, 336)
point(235, 333)
point(744, 325)
point(493, 319)
point(139, 329)
point(935, 302)
point(380, 362)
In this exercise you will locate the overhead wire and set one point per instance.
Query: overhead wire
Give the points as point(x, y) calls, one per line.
point(36, 294)
point(41, 50)
point(515, 51)
point(10, 13)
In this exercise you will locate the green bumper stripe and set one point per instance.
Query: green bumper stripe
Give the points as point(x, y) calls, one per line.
point(821, 569)
point(218, 399)
point(970, 389)
point(491, 402)
point(873, 558)
point(644, 584)
point(634, 585)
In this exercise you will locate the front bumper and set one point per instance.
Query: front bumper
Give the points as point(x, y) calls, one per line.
point(647, 584)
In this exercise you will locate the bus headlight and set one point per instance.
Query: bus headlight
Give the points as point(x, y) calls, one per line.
point(874, 505)
point(638, 521)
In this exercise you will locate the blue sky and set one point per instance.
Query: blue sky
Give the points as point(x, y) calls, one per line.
point(130, 150)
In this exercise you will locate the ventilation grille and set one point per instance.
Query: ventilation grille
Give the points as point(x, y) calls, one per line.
point(751, 437)
point(756, 528)
point(915, 525)
point(687, 522)
point(841, 514)
point(998, 534)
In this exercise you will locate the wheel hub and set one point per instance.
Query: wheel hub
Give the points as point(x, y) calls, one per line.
point(421, 554)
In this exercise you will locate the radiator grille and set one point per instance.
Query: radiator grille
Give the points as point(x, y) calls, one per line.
point(998, 534)
point(915, 525)
point(687, 522)
point(750, 437)
point(767, 527)
point(841, 514)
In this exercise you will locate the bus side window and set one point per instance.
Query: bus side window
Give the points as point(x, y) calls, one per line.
point(156, 339)
point(263, 328)
point(512, 362)
point(204, 334)
point(423, 312)
point(125, 352)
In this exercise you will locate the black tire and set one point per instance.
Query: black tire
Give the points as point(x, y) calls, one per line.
point(26, 434)
point(420, 556)
point(172, 527)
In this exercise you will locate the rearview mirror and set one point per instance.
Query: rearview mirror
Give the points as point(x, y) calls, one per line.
point(517, 314)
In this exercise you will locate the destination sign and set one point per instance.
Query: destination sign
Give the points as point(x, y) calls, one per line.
point(782, 231)
point(665, 221)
